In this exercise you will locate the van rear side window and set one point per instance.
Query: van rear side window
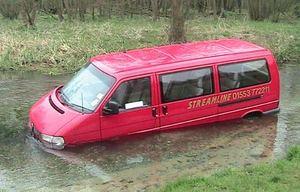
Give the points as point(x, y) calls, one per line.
point(186, 84)
point(240, 75)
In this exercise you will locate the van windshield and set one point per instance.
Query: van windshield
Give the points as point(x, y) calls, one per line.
point(86, 89)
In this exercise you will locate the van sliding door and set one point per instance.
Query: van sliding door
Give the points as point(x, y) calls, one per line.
point(187, 97)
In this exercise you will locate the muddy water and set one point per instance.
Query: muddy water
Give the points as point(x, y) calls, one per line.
point(141, 162)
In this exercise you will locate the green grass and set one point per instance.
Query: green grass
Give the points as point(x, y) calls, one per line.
point(54, 47)
point(282, 175)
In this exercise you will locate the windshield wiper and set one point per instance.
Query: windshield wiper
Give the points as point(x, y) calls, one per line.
point(79, 106)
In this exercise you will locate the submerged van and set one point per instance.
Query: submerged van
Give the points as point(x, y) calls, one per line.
point(158, 88)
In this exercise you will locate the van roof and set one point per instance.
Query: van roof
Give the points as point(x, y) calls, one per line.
point(149, 57)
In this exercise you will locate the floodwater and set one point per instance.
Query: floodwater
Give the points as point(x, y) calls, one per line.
point(140, 162)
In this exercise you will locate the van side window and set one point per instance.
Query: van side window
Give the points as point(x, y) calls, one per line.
point(133, 94)
point(234, 76)
point(186, 84)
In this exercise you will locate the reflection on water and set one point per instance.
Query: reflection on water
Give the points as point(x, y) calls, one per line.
point(137, 162)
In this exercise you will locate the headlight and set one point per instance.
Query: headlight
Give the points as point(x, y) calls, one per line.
point(53, 142)
point(58, 141)
point(46, 138)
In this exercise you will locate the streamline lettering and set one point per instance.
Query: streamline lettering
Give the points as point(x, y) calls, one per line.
point(228, 97)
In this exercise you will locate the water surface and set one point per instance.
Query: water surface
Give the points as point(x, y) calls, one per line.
point(140, 162)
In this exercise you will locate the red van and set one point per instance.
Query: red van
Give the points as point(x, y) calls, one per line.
point(157, 89)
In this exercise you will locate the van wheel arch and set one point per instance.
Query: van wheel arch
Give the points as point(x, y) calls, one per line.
point(250, 114)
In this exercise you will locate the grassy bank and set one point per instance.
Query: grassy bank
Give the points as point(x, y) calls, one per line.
point(283, 175)
point(55, 47)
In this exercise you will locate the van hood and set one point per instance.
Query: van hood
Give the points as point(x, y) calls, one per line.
point(49, 115)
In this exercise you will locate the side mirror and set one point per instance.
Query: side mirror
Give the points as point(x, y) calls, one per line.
point(111, 108)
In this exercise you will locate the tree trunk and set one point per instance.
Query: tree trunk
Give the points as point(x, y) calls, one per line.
point(177, 30)
point(155, 9)
point(259, 9)
point(215, 8)
point(29, 9)
point(93, 13)
point(69, 8)
point(122, 8)
point(239, 5)
point(275, 10)
point(222, 8)
point(82, 6)
point(201, 6)
point(253, 8)
point(229, 5)
point(60, 9)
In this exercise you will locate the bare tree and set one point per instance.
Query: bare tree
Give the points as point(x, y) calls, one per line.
point(222, 6)
point(217, 8)
point(8, 9)
point(155, 9)
point(122, 8)
point(177, 10)
point(60, 9)
point(279, 7)
point(239, 5)
point(265, 9)
point(177, 29)
point(82, 8)
point(29, 10)
point(201, 6)
point(71, 8)
point(54, 7)
point(253, 8)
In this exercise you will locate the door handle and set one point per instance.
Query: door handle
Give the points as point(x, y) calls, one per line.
point(154, 112)
point(165, 110)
